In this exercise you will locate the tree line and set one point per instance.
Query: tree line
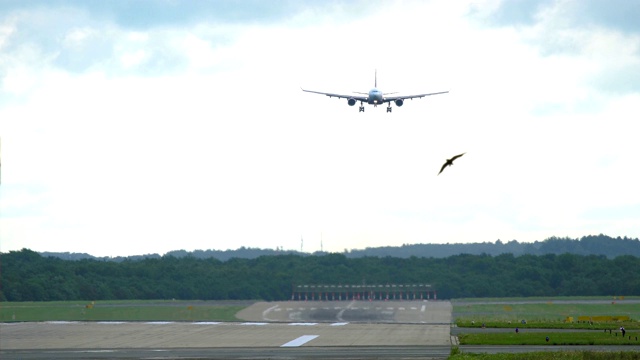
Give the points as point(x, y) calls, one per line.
point(587, 245)
point(28, 276)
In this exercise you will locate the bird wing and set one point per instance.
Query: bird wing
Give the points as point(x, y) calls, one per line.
point(442, 168)
point(457, 156)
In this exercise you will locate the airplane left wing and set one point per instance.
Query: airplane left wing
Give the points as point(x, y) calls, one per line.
point(406, 97)
point(358, 98)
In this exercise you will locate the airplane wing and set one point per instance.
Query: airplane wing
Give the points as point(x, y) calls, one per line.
point(405, 97)
point(358, 98)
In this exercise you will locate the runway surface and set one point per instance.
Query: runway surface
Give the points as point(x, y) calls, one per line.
point(409, 329)
point(420, 312)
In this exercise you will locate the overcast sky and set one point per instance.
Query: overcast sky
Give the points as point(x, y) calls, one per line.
point(132, 127)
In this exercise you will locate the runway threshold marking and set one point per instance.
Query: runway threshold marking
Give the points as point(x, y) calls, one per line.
point(300, 341)
point(423, 308)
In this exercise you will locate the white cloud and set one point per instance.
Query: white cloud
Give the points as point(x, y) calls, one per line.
point(199, 137)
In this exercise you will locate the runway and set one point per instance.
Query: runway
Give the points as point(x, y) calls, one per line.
point(418, 312)
point(398, 352)
point(337, 330)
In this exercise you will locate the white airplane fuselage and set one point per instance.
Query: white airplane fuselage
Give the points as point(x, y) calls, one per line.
point(375, 97)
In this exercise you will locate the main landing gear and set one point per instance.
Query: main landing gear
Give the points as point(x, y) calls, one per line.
point(389, 108)
point(361, 109)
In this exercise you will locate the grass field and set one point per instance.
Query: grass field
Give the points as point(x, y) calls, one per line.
point(117, 311)
point(547, 314)
point(555, 338)
point(546, 298)
point(552, 355)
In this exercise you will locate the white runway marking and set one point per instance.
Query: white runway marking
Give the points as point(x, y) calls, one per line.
point(303, 324)
point(206, 323)
point(423, 308)
point(300, 341)
point(339, 324)
point(264, 313)
point(159, 322)
point(339, 315)
point(254, 324)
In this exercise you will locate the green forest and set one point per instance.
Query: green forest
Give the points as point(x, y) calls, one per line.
point(587, 245)
point(28, 276)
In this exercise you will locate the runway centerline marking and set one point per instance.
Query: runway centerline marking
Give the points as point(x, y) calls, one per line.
point(423, 308)
point(300, 341)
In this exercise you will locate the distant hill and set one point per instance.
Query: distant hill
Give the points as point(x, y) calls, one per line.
point(587, 245)
point(223, 255)
point(600, 245)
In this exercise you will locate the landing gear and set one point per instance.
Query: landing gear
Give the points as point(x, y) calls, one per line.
point(361, 109)
point(389, 108)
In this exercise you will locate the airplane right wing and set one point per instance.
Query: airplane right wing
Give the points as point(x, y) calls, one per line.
point(405, 97)
point(355, 97)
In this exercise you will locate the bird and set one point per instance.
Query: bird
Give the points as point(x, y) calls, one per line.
point(449, 162)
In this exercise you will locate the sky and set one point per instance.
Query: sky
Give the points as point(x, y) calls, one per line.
point(132, 127)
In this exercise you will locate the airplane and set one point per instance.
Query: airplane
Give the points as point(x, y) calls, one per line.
point(375, 97)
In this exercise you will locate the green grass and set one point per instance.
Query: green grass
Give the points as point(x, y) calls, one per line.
point(546, 298)
point(544, 315)
point(552, 355)
point(555, 338)
point(117, 311)
point(541, 324)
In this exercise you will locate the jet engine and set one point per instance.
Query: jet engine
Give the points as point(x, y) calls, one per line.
point(399, 102)
point(351, 101)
